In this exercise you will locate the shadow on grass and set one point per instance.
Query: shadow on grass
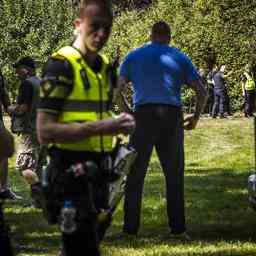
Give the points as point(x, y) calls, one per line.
point(30, 231)
point(216, 207)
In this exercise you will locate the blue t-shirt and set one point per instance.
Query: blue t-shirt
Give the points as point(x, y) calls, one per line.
point(158, 72)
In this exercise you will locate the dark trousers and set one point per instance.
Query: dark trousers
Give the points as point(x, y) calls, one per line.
point(210, 100)
point(219, 101)
point(159, 126)
point(87, 197)
point(249, 102)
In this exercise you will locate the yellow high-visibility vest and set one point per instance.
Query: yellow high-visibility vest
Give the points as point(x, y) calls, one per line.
point(87, 102)
point(250, 83)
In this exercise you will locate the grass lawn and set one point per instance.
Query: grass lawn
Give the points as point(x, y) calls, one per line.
point(219, 159)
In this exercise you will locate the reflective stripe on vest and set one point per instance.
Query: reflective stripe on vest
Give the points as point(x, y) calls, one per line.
point(250, 83)
point(87, 102)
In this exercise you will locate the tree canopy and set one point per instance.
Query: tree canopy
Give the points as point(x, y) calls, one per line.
point(210, 32)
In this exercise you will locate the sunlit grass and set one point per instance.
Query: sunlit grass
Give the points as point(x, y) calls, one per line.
point(219, 158)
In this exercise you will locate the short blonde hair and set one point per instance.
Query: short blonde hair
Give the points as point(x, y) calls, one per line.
point(106, 5)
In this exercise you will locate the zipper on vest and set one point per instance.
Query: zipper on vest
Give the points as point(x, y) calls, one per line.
point(101, 112)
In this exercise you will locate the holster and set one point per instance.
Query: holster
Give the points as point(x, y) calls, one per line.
point(62, 180)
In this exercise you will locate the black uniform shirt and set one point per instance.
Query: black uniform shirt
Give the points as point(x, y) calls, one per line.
point(219, 81)
point(56, 85)
point(25, 94)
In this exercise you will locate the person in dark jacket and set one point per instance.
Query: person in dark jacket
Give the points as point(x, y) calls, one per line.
point(220, 92)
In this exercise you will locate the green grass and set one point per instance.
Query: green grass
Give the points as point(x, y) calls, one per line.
point(219, 158)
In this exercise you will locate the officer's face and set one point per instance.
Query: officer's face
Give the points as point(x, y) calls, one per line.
point(94, 28)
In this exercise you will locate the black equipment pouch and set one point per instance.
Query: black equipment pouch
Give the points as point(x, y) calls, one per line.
point(62, 181)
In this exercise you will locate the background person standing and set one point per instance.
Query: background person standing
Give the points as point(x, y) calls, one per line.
point(157, 73)
point(220, 93)
point(24, 120)
point(248, 89)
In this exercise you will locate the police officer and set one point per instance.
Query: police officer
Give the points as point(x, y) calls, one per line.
point(248, 88)
point(74, 119)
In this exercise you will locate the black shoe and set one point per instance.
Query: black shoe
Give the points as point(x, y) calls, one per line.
point(9, 194)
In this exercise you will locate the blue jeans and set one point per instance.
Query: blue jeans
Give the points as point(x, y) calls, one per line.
point(219, 101)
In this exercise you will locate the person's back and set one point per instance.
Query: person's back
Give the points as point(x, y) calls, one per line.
point(157, 73)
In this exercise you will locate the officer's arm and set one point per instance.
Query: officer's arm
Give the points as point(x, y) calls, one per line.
point(49, 130)
point(228, 74)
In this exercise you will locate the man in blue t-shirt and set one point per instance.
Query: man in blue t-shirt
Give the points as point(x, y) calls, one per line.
point(157, 73)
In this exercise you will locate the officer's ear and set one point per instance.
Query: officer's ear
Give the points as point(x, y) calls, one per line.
point(77, 24)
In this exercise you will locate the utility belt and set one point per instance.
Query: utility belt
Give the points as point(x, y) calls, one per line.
point(72, 175)
point(92, 166)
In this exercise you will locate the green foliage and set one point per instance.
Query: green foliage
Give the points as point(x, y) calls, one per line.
point(210, 32)
point(32, 28)
point(218, 162)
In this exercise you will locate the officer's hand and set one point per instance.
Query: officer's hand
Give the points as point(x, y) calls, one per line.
point(190, 122)
point(125, 123)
